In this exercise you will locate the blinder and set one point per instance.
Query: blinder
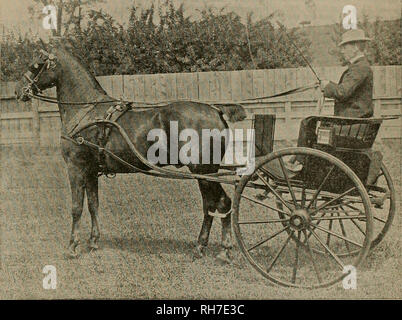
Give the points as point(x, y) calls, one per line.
point(49, 62)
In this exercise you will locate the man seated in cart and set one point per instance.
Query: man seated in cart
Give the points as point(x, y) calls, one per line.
point(353, 94)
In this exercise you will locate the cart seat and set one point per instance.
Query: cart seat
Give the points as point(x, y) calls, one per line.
point(342, 132)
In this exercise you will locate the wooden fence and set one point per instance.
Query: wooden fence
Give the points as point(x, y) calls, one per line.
point(40, 122)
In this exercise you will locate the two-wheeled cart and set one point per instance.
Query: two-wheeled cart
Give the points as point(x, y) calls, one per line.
point(314, 227)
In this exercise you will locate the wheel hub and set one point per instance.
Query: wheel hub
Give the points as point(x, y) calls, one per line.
point(300, 219)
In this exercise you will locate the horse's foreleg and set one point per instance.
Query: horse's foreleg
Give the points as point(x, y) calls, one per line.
point(77, 196)
point(93, 205)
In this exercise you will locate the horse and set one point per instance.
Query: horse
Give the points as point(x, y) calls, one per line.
point(58, 66)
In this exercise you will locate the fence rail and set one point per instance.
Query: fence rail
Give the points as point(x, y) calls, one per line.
point(39, 122)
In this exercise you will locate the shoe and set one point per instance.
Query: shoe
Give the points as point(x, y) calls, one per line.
point(378, 202)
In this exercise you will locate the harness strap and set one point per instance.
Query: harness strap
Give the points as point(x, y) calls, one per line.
point(76, 120)
point(158, 171)
point(112, 114)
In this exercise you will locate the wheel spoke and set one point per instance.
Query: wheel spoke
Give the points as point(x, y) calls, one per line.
point(265, 205)
point(274, 191)
point(303, 197)
point(310, 254)
point(319, 221)
point(279, 252)
point(330, 228)
point(333, 200)
point(267, 239)
point(379, 219)
point(336, 235)
point(355, 223)
point(352, 207)
point(333, 255)
point(288, 181)
point(343, 232)
point(296, 263)
point(261, 222)
point(374, 217)
point(320, 187)
point(339, 217)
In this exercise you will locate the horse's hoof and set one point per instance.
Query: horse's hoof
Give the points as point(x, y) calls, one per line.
point(224, 257)
point(199, 252)
point(93, 245)
point(73, 252)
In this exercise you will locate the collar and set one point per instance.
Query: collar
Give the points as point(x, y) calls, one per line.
point(354, 59)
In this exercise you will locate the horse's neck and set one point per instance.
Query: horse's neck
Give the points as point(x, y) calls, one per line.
point(76, 85)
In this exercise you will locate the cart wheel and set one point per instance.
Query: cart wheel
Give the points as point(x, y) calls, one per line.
point(382, 196)
point(309, 244)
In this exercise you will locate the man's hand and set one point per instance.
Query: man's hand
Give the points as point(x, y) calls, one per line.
point(323, 84)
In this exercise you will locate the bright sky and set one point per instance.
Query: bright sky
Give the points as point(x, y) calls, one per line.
point(14, 13)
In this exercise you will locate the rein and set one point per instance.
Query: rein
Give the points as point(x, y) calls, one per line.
point(163, 103)
point(50, 63)
point(55, 101)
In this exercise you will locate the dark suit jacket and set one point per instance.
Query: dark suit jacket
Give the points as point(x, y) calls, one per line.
point(354, 93)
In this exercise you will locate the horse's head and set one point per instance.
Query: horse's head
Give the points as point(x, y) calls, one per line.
point(41, 75)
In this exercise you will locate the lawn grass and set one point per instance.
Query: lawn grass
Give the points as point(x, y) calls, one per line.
point(149, 227)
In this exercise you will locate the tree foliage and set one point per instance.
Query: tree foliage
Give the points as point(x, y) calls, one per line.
point(218, 40)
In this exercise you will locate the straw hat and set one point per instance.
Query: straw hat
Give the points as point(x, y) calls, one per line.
point(353, 35)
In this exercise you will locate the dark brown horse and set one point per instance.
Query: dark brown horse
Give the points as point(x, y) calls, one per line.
point(58, 67)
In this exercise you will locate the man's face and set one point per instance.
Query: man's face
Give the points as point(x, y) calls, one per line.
point(348, 50)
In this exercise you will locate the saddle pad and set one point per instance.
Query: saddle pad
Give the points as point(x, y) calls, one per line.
point(90, 114)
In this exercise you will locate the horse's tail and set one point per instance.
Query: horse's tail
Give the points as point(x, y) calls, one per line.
point(234, 112)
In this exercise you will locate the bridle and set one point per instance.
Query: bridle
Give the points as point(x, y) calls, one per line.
point(50, 63)
point(32, 90)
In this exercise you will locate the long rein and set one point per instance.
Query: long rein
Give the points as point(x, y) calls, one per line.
point(163, 103)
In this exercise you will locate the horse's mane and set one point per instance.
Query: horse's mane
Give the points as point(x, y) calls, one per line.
point(69, 51)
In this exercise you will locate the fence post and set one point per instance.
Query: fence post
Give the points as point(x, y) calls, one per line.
point(35, 121)
point(377, 114)
point(288, 119)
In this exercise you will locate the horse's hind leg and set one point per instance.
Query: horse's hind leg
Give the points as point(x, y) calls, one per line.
point(205, 230)
point(227, 244)
point(223, 205)
point(93, 205)
point(77, 185)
